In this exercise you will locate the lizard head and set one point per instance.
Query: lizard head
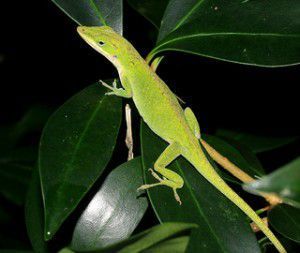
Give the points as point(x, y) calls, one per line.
point(106, 41)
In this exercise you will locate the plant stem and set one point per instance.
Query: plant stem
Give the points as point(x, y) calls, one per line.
point(260, 211)
point(226, 164)
point(234, 170)
point(155, 63)
point(129, 138)
point(255, 228)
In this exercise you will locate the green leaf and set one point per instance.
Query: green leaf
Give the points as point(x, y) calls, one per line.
point(14, 181)
point(34, 215)
point(256, 143)
point(237, 154)
point(286, 220)
point(150, 240)
point(94, 12)
point(176, 245)
point(65, 250)
point(284, 182)
point(75, 147)
point(153, 10)
point(115, 210)
point(146, 239)
point(222, 226)
point(262, 33)
point(156, 235)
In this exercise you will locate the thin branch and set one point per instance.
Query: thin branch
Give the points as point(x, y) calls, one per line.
point(226, 164)
point(129, 138)
point(234, 170)
point(255, 228)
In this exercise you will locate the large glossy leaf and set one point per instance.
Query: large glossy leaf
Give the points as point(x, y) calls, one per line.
point(146, 239)
point(264, 33)
point(153, 10)
point(237, 154)
point(14, 181)
point(149, 239)
point(286, 220)
point(284, 182)
point(256, 143)
point(155, 235)
point(75, 147)
point(34, 215)
point(115, 210)
point(222, 226)
point(176, 245)
point(94, 12)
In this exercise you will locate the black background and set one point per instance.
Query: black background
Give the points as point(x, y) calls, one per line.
point(45, 62)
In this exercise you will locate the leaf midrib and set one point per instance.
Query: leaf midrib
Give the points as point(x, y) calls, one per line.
point(185, 17)
point(80, 140)
point(99, 14)
point(68, 165)
point(222, 34)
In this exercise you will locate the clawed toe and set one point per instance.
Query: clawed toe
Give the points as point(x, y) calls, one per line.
point(177, 198)
point(155, 175)
point(162, 181)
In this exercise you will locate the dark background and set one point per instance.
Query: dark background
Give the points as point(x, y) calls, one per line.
point(44, 61)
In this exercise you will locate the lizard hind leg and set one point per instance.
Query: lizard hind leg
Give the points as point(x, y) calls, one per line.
point(192, 121)
point(170, 178)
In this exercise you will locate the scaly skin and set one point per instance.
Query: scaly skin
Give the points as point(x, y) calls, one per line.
point(160, 109)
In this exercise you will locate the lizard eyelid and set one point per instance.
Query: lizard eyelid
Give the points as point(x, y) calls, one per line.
point(101, 43)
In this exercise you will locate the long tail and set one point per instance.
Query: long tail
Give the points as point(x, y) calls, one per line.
point(205, 169)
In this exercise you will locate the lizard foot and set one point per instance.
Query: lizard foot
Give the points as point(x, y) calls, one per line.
point(162, 181)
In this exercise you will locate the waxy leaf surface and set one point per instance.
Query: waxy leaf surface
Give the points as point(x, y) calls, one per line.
point(94, 12)
point(263, 33)
point(256, 143)
point(34, 215)
point(147, 240)
point(153, 10)
point(115, 210)
point(286, 220)
point(284, 182)
point(222, 226)
point(75, 147)
point(238, 154)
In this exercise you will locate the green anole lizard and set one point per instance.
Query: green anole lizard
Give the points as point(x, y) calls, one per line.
point(160, 109)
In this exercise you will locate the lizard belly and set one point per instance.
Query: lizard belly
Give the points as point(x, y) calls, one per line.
point(162, 118)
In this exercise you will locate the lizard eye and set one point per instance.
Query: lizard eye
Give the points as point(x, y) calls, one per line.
point(101, 43)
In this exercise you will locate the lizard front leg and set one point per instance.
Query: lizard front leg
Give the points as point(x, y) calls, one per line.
point(170, 178)
point(120, 92)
